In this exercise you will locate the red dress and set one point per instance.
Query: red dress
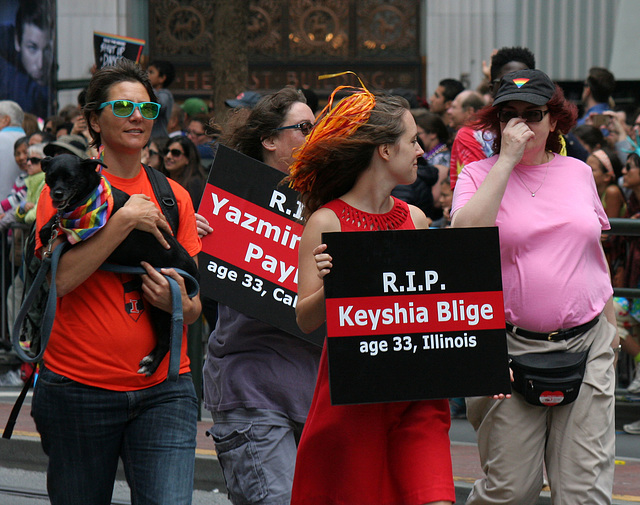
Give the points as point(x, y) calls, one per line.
point(374, 454)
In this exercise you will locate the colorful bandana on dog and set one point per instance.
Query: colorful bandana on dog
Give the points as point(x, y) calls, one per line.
point(86, 219)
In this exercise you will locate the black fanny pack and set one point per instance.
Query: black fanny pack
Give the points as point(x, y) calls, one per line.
point(548, 379)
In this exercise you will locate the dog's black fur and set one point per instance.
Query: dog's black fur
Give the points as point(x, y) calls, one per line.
point(71, 180)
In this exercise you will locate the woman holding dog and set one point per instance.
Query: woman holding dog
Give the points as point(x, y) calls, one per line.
point(90, 405)
point(557, 295)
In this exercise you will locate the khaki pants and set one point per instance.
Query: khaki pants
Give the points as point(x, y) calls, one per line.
point(576, 442)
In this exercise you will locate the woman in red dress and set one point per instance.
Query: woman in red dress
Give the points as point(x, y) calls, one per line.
point(387, 453)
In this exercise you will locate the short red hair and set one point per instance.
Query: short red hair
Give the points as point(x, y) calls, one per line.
point(561, 110)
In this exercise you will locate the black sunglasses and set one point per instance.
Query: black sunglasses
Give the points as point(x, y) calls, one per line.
point(530, 116)
point(34, 161)
point(153, 153)
point(176, 153)
point(305, 127)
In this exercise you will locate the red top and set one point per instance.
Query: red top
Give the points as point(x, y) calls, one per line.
point(465, 149)
point(352, 219)
point(382, 453)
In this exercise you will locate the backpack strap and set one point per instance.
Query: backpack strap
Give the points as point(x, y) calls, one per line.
point(165, 196)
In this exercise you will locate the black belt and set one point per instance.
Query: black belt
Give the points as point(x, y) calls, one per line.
point(553, 336)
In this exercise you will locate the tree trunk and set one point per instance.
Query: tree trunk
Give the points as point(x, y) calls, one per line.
point(229, 60)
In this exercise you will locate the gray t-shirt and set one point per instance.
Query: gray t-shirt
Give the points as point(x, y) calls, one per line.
point(165, 99)
point(251, 364)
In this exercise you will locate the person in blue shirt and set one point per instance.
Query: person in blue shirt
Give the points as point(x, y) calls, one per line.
point(598, 87)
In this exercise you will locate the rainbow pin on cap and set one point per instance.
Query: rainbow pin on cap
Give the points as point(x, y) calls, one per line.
point(531, 86)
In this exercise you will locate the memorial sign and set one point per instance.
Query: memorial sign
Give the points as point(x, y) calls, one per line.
point(250, 261)
point(414, 315)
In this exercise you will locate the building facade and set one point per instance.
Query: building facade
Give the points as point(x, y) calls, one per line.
point(390, 43)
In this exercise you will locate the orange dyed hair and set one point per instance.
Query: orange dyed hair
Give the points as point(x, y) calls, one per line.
point(339, 122)
point(342, 144)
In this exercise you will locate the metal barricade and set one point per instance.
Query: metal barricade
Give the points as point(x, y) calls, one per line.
point(13, 239)
point(627, 228)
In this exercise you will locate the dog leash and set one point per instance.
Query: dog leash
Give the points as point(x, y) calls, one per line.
point(177, 319)
point(49, 264)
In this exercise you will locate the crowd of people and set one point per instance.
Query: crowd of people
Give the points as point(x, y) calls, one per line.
point(502, 155)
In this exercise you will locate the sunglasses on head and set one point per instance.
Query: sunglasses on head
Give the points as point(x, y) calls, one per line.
point(34, 161)
point(124, 108)
point(305, 127)
point(176, 153)
point(530, 116)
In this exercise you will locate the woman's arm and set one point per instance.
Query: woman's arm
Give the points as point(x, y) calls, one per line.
point(77, 264)
point(614, 200)
point(313, 264)
point(419, 219)
point(482, 208)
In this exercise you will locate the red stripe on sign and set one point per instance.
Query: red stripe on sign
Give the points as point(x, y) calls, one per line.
point(405, 314)
point(251, 237)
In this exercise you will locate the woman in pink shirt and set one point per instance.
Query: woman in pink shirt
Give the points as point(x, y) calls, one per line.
point(557, 293)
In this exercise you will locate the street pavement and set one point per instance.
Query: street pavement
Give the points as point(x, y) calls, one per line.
point(22, 462)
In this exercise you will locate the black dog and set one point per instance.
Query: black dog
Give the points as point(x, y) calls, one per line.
point(71, 181)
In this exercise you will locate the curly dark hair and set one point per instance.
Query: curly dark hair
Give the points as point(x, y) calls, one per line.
point(509, 54)
point(98, 90)
point(246, 130)
point(561, 110)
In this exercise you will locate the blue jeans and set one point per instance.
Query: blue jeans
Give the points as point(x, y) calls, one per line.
point(85, 430)
point(257, 452)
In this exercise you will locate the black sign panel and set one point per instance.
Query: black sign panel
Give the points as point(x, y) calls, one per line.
point(415, 315)
point(108, 48)
point(250, 261)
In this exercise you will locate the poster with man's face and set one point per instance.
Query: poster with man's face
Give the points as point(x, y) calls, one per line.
point(27, 43)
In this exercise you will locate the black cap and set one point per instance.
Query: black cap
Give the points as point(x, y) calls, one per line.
point(531, 86)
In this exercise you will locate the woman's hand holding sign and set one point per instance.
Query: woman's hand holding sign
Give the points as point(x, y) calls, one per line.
point(323, 260)
point(503, 396)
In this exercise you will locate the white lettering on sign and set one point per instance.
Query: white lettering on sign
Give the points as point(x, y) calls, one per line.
point(266, 229)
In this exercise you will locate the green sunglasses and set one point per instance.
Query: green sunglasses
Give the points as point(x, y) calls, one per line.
point(124, 108)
